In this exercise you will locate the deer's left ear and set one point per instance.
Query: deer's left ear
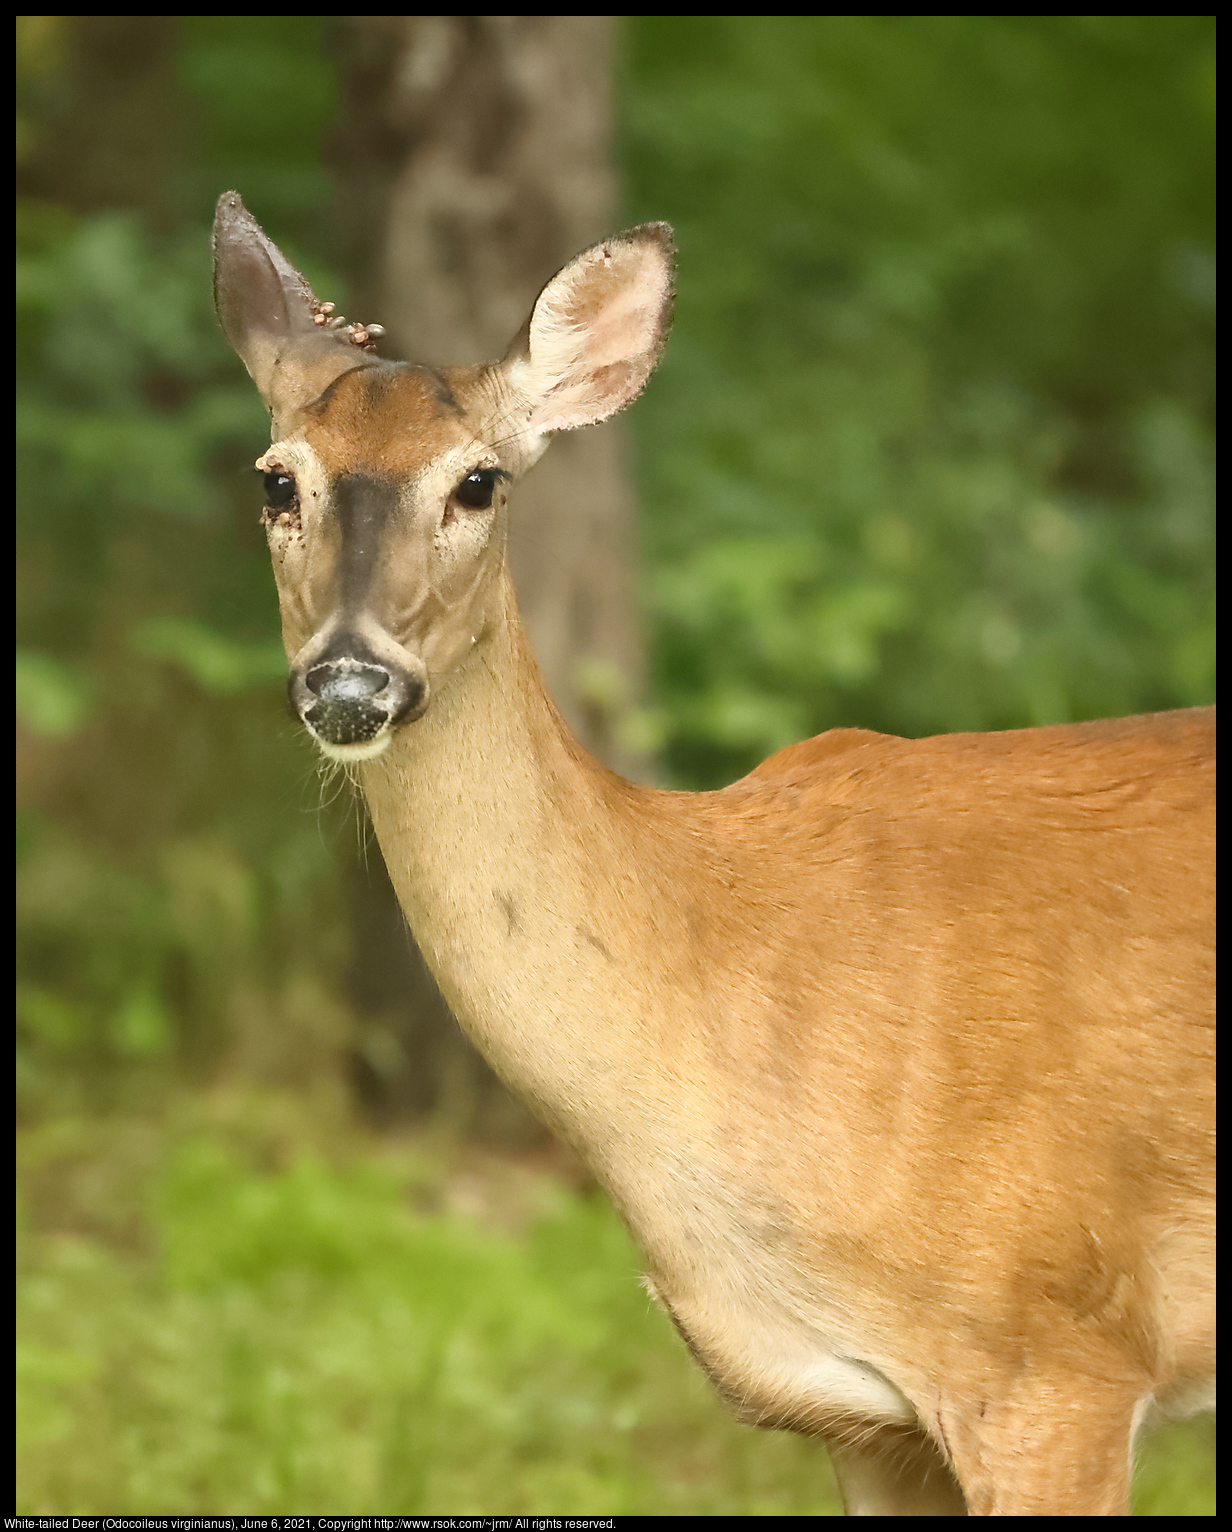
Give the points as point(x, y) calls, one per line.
point(269, 314)
point(596, 331)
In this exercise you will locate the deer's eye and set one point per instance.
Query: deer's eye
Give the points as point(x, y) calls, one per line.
point(476, 490)
point(279, 490)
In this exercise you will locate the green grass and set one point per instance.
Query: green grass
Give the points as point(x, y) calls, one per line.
point(218, 1315)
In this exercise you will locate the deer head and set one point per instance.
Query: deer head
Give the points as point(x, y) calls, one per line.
point(387, 483)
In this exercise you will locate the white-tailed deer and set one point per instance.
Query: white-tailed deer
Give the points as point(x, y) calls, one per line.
point(896, 1056)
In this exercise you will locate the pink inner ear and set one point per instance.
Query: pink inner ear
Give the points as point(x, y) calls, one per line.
point(595, 334)
point(624, 327)
point(614, 304)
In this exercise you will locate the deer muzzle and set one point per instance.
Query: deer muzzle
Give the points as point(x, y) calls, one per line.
point(351, 700)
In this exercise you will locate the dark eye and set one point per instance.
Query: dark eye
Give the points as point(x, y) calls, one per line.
point(476, 490)
point(279, 490)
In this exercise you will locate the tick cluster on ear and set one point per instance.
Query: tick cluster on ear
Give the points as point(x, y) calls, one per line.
point(365, 336)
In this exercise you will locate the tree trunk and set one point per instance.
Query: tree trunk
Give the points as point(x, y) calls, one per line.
point(473, 159)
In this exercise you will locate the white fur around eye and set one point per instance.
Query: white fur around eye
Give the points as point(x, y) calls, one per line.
point(463, 536)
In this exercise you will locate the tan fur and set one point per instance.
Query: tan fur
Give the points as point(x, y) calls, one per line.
point(896, 1055)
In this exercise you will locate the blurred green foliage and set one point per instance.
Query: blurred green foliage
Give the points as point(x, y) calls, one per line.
point(931, 446)
point(178, 888)
point(216, 1314)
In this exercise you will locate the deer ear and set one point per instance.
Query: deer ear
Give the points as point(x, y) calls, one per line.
point(596, 331)
point(270, 316)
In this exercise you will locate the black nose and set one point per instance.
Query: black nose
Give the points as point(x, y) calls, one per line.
point(350, 696)
point(346, 681)
point(348, 707)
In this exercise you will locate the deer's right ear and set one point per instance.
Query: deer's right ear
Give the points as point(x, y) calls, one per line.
point(596, 331)
point(270, 316)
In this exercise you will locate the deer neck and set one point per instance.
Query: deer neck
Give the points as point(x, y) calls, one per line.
point(505, 843)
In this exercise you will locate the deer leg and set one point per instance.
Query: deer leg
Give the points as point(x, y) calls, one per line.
point(895, 1473)
point(1057, 1448)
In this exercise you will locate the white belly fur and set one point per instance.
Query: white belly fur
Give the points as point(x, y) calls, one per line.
point(775, 1370)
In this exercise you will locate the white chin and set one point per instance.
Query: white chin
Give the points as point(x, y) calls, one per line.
point(368, 750)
